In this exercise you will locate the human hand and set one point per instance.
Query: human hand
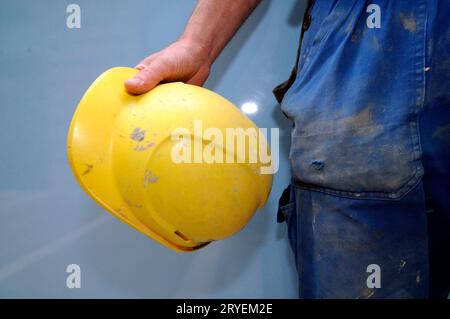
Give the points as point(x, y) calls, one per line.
point(182, 61)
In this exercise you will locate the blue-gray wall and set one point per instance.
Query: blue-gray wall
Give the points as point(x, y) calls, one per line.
point(47, 222)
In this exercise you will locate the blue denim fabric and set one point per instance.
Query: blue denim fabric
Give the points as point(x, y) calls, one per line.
point(370, 150)
point(335, 239)
point(356, 99)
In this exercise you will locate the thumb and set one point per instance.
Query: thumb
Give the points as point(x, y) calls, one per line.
point(146, 79)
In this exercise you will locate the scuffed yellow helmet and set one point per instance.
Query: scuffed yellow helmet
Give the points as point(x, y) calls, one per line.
point(124, 154)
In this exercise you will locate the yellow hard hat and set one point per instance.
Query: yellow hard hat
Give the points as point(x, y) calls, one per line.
point(121, 149)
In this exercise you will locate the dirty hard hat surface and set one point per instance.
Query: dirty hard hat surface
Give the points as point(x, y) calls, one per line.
point(124, 153)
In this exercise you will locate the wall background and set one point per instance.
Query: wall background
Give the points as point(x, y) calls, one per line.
point(47, 222)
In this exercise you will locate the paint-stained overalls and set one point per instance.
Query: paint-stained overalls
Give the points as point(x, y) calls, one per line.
point(368, 210)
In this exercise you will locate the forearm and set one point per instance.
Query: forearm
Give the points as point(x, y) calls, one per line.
point(214, 22)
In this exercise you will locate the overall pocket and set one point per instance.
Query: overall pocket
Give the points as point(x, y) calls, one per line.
point(355, 103)
point(287, 212)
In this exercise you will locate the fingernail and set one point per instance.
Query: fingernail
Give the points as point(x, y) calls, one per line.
point(135, 82)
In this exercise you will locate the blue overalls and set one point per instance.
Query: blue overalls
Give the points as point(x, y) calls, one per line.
point(368, 209)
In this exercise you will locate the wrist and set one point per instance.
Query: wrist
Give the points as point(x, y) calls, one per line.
point(202, 49)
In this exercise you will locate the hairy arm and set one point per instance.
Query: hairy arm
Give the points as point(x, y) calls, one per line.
point(212, 24)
